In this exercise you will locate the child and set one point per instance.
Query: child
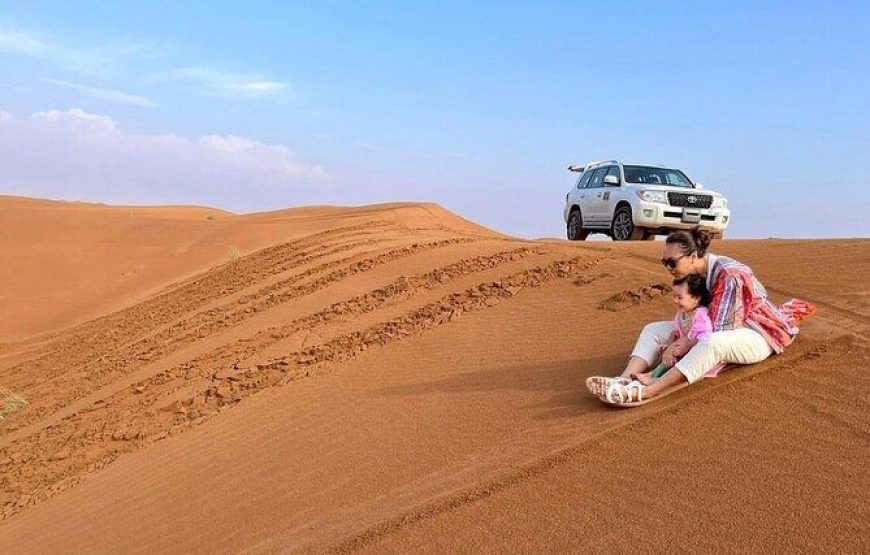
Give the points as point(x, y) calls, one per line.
point(691, 324)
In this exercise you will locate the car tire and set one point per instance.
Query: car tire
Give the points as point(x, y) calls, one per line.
point(575, 227)
point(622, 227)
point(649, 236)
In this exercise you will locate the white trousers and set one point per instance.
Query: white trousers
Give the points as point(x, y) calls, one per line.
point(740, 346)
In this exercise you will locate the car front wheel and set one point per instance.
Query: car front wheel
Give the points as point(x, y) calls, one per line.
point(622, 228)
point(575, 227)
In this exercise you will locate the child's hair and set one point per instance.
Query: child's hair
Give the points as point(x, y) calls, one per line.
point(696, 284)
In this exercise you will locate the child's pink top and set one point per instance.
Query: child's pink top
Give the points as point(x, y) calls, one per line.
point(700, 327)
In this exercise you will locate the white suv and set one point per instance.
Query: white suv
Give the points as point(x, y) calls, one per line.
point(640, 201)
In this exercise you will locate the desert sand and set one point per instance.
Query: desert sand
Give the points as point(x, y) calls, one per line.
point(395, 378)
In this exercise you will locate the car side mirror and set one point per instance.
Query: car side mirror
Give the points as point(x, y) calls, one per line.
point(611, 180)
point(698, 186)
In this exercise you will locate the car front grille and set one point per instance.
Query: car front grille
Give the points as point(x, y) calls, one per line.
point(690, 200)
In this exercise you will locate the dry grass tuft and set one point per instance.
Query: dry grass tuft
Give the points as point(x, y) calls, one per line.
point(10, 402)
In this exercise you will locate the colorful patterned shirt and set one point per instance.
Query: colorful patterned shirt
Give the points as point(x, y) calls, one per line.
point(739, 300)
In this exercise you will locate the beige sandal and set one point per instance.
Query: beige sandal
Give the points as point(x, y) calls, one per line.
point(632, 394)
point(598, 385)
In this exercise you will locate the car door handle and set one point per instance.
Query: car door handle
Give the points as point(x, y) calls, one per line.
point(583, 195)
point(598, 195)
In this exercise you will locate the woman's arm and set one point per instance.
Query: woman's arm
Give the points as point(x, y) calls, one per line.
point(682, 346)
point(726, 310)
point(675, 336)
point(702, 326)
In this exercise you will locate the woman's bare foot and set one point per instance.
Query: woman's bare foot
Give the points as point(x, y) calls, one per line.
point(636, 365)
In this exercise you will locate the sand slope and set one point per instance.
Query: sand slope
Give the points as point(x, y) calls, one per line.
point(68, 262)
point(395, 378)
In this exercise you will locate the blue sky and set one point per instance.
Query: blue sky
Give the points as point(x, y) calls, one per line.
point(262, 105)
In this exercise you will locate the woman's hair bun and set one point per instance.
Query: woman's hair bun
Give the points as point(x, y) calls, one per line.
point(695, 241)
point(702, 240)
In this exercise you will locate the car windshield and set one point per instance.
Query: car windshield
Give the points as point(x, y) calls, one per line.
point(649, 175)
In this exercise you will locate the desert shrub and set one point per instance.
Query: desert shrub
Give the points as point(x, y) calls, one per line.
point(10, 402)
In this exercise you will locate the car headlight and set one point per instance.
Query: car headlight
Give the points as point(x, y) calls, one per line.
point(653, 196)
point(720, 202)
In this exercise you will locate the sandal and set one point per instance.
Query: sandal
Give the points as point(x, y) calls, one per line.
point(620, 393)
point(598, 385)
point(632, 394)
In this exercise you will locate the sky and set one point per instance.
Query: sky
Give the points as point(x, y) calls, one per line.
point(478, 106)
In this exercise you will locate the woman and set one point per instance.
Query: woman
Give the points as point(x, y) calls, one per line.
point(747, 327)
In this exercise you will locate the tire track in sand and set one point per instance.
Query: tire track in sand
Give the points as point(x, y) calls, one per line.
point(59, 348)
point(246, 347)
point(63, 387)
point(81, 343)
point(58, 393)
point(628, 298)
point(59, 456)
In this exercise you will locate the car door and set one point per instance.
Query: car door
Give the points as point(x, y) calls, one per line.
point(580, 194)
point(609, 194)
point(596, 202)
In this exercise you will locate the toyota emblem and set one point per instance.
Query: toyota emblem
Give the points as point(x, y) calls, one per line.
point(692, 199)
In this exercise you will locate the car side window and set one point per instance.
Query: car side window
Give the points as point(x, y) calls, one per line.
point(597, 178)
point(614, 171)
point(584, 180)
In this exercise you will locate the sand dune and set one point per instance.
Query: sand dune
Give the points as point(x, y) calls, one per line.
point(75, 261)
point(395, 378)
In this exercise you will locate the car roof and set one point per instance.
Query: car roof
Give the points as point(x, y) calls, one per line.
point(599, 163)
point(580, 168)
point(646, 165)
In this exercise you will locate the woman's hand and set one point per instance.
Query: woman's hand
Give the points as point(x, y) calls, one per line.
point(668, 356)
point(681, 347)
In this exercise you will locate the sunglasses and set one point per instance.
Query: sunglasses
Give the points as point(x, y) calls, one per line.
point(671, 263)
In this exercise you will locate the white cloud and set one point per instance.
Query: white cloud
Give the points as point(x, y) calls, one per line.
point(108, 60)
point(76, 118)
point(14, 40)
point(107, 94)
point(18, 41)
point(74, 154)
point(222, 84)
